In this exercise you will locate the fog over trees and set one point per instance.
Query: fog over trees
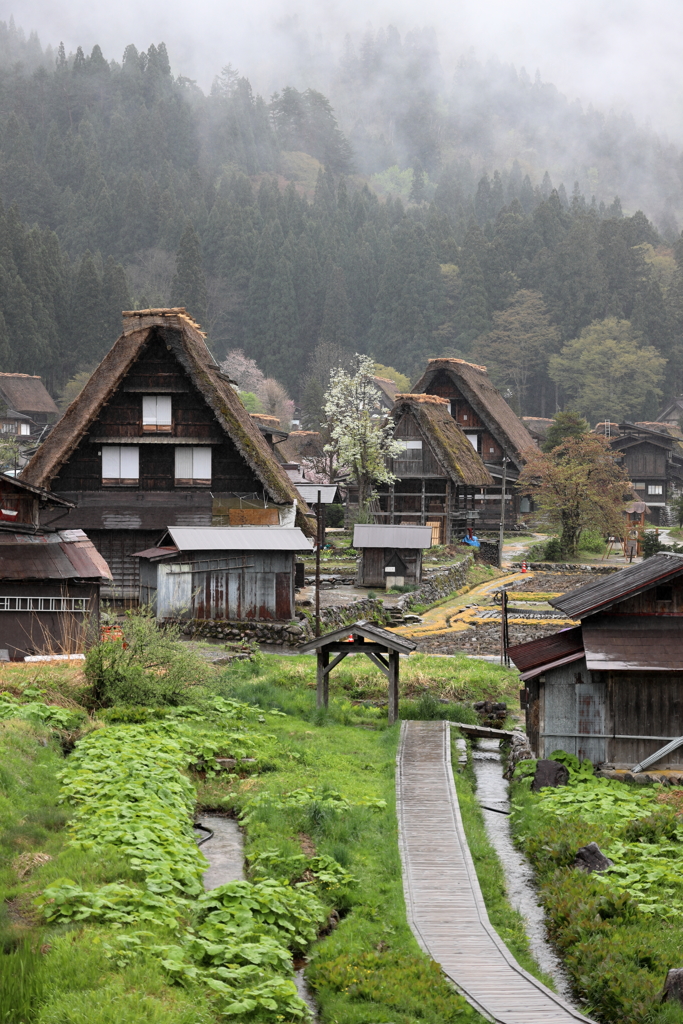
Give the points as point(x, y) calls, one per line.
point(405, 213)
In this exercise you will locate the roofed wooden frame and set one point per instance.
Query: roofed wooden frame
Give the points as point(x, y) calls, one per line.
point(439, 472)
point(382, 647)
point(204, 453)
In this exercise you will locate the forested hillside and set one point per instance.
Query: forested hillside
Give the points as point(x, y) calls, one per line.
point(123, 185)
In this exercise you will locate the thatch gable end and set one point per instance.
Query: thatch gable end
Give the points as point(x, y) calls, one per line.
point(184, 339)
point(448, 442)
point(475, 385)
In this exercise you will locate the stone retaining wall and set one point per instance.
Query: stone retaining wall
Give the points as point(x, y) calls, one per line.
point(440, 584)
point(600, 570)
point(286, 634)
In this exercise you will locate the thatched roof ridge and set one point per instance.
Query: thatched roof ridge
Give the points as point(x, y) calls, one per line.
point(474, 383)
point(187, 343)
point(446, 439)
point(26, 393)
point(387, 386)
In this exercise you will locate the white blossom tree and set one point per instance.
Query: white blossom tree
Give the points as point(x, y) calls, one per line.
point(361, 438)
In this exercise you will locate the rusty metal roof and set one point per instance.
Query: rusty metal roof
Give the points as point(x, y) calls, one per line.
point(63, 555)
point(609, 590)
point(547, 652)
point(365, 629)
point(625, 643)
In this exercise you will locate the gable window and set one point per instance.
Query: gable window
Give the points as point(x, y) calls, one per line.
point(192, 465)
point(655, 489)
point(474, 440)
point(24, 428)
point(156, 414)
point(120, 464)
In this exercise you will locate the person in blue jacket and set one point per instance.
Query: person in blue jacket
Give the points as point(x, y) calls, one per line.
point(470, 538)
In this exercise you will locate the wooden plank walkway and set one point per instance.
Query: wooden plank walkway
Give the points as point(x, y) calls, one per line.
point(443, 899)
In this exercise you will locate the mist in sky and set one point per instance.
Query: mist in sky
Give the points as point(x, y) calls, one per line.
point(621, 54)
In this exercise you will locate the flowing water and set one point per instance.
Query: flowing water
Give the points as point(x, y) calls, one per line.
point(225, 854)
point(492, 791)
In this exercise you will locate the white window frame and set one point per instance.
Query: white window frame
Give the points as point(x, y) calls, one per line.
point(157, 414)
point(120, 459)
point(196, 460)
point(655, 489)
point(473, 439)
point(24, 429)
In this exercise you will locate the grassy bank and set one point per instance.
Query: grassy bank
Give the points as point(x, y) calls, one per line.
point(104, 920)
point(618, 933)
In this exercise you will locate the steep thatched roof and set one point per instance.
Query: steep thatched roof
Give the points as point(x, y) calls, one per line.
point(300, 445)
point(186, 342)
point(26, 394)
point(387, 387)
point(446, 439)
point(474, 384)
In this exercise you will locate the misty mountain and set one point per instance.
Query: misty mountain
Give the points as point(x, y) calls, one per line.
point(124, 185)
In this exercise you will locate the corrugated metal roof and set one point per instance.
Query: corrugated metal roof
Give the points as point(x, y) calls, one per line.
point(651, 643)
point(66, 554)
point(239, 538)
point(367, 630)
point(537, 654)
point(309, 492)
point(618, 586)
point(370, 535)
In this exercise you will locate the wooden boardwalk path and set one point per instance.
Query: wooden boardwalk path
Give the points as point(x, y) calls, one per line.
point(443, 899)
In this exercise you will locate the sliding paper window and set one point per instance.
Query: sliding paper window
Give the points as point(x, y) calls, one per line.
point(156, 413)
point(120, 464)
point(192, 465)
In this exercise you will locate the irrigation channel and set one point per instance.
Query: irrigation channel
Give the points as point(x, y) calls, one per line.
point(224, 850)
point(492, 794)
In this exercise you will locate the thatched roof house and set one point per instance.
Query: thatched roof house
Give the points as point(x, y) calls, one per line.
point(478, 407)
point(442, 438)
point(28, 395)
point(157, 438)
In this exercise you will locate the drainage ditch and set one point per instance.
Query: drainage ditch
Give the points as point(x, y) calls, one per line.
point(224, 850)
point(492, 794)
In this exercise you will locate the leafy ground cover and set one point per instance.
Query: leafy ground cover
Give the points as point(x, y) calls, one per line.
point(621, 931)
point(104, 915)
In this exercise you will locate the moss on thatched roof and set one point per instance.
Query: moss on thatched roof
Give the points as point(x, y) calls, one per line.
point(449, 444)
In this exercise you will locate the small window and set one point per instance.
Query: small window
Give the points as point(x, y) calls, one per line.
point(464, 416)
point(655, 489)
point(415, 446)
point(156, 413)
point(664, 593)
point(640, 486)
point(474, 441)
point(492, 450)
point(120, 464)
point(192, 465)
point(24, 428)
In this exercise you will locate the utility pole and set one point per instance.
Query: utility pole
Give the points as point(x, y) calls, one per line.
point(502, 512)
point(318, 520)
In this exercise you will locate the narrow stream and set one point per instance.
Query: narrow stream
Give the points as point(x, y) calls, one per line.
point(492, 791)
point(225, 854)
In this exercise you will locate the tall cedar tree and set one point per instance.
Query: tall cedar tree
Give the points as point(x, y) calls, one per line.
point(189, 285)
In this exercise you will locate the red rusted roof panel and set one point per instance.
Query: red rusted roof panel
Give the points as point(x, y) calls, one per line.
point(537, 653)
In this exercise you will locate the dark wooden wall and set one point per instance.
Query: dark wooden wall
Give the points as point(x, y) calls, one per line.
point(23, 633)
point(373, 560)
point(466, 416)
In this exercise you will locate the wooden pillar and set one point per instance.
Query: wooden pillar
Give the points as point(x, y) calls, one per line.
point(392, 504)
point(323, 689)
point(393, 686)
point(422, 503)
point(447, 513)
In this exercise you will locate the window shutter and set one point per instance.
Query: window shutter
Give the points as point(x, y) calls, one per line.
point(201, 464)
point(130, 462)
point(149, 410)
point(164, 411)
point(183, 463)
point(473, 439)
point(111, 463)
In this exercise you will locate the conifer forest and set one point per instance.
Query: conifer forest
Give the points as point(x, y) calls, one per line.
point(387, 219)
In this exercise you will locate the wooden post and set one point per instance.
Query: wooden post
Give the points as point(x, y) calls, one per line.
point(317, 567)
point(502, 512)
point(393, 686)
point(323, 688)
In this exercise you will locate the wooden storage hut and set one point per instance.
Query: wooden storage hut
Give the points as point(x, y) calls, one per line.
point(49, 591)
point(158, 437)
point(226, 573)
point(390, 555)
point(492, 428)
point(611, 689)
point(439, 473)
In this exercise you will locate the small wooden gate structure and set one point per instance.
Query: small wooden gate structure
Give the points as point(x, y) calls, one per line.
point(382, 648)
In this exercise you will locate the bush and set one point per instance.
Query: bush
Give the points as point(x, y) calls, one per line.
point(148, 667)
point(428, 709)
point(593, 542)
point(334, 516)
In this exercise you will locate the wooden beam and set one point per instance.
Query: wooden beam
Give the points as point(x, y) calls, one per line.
point(323, 688)
point(357, 648)
point(393, 686)
point(340, 657)
point(379, 662)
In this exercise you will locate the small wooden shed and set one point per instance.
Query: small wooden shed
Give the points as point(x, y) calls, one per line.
point(390, 555)
point(611, 689)
point(222, 572)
